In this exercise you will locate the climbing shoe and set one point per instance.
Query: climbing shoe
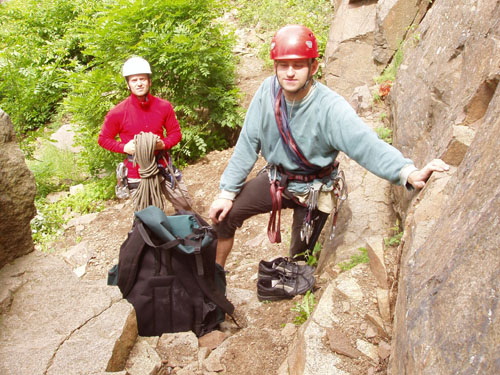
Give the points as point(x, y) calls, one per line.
point(283, 266)
point(283, 287)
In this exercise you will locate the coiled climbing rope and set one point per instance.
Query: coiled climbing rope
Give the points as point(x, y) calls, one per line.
point(149, 192)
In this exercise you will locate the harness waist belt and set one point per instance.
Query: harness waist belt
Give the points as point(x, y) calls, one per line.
point(326, 171)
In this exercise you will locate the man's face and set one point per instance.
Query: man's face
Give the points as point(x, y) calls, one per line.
point(293, 74)
point(139, 84)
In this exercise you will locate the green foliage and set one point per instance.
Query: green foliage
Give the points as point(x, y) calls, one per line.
point(89, 102)
point(395, 239)
point(389, 73)
point(376, 97)
point(55, 169)
point(196, 142)
point(191, 59)
point(384, 134)
point(355, 260)
point(270, 15)
point(65, 57)
point(47, 225)
point(311, 256)
point(91, 199)
point(304, 308)
point(35, 59)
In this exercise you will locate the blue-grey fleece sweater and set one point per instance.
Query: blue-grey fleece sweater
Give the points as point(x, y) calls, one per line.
point(322, 124)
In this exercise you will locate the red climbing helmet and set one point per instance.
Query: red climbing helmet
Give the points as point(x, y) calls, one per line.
point(294, 42)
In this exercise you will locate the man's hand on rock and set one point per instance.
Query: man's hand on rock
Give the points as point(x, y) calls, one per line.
point(418, 178)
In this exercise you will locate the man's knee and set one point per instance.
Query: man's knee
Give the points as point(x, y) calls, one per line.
point(227, 227)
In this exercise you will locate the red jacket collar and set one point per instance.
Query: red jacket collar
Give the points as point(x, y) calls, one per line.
point(142, 105)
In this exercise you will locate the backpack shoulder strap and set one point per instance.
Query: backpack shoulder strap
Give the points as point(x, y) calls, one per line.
point(215, 295)
point(130, 254)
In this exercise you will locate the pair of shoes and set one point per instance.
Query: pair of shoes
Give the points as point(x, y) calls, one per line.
point(283, 287)
point(282, 279)
point(283, 266)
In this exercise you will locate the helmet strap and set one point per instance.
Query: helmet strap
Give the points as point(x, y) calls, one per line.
point(309, 76)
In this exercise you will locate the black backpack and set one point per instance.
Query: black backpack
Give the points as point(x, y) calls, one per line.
point(167, 271)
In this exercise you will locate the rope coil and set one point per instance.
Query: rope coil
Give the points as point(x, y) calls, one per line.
point(149, 192)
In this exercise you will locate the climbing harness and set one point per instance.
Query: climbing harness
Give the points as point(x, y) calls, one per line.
point(312, 174)
point(168, 171)
point(278, 180)
point(160, 179)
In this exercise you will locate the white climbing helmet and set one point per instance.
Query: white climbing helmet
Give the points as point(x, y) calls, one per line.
point(136, 65)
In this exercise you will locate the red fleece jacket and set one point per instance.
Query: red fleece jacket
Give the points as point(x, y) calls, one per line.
point(130, 117)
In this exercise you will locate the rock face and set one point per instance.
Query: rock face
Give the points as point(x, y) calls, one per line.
point(68, 326)
point(17, 193)
point(446, 103)
point(351, 34)
point(363, 38)
point(394, 21)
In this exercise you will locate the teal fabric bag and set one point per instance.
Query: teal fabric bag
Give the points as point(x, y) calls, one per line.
point(170, 228)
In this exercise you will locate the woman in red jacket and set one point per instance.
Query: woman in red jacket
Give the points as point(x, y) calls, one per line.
point(143, 112)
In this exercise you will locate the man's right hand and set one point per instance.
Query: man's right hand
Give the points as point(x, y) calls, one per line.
point(219, 209)
point(130, 147)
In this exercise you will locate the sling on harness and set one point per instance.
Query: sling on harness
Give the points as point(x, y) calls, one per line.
point(310, 173)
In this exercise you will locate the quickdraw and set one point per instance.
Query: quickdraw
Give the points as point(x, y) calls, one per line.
point(312, 203)
point(122, 189)
point(341, 193)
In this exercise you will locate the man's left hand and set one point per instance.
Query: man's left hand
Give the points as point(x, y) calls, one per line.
point(159, 145)
point(418, 178)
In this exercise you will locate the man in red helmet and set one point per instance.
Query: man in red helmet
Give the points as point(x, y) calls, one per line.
point(299, 125)
point(143, 112)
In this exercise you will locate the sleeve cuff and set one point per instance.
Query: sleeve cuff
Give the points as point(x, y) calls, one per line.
point(224, 194)
point(404, 173)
